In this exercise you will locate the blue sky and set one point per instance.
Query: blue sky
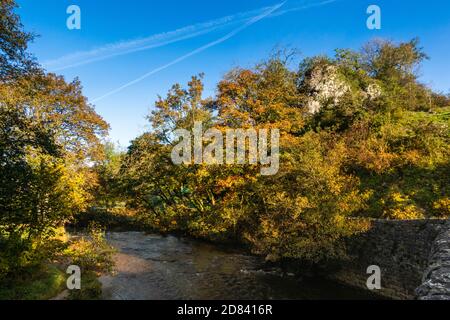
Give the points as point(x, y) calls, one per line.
point(136, 33)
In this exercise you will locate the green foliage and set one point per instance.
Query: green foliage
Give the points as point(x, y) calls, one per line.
point(106, 191)
point(48, 135)
point(21, 254)
point(14, 59)
point(360, 137)
point(43, 175)
point(116, 219)
point(91, 288)
point(305, 211)
point(42, 285)
point(92, 254)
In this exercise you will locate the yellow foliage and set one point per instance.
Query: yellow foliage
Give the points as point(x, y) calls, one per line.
point(409, 212)
point(442, 207)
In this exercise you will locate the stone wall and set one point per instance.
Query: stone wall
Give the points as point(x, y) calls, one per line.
point(436, 279)
point(402, 250)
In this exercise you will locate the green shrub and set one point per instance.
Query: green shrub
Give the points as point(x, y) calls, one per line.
point(41, 285)
point(91, 253)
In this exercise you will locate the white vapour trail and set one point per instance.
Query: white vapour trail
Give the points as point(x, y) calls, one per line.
point(158, 40)
point(196, 51)
point(153, 41)
point(303, 7)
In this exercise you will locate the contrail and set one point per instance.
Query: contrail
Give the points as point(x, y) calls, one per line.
point(158, 40)
point(153, 41)
point(196, 51)
point(311, 5)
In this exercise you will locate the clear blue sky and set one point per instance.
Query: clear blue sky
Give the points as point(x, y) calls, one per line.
point(315, 30)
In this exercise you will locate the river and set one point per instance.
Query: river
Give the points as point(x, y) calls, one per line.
point(154, 267)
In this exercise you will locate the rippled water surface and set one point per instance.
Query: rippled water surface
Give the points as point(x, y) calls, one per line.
point(157, 267)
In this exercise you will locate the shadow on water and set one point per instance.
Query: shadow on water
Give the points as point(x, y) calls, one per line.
point(157, 267)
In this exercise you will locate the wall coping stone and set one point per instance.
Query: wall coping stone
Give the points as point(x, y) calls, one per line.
point(436, 279)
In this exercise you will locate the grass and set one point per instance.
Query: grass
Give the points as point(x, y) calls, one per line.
point(42, 285)
point(439, 115)
point(48, 284)
point(42, 282)
point(95, 256)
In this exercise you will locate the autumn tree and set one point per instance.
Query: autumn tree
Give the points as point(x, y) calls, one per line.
point(49, 133)
point(107, 193)
point(355, 142)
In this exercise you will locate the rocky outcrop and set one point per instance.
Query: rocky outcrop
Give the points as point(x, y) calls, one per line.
point(325, 84)
point(436, 279)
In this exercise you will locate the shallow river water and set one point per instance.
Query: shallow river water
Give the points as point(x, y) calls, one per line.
point(156, 267)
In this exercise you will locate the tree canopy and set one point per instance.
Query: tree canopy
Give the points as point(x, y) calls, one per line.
point(361, 138)
point(49, 134)
point(14, 58)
